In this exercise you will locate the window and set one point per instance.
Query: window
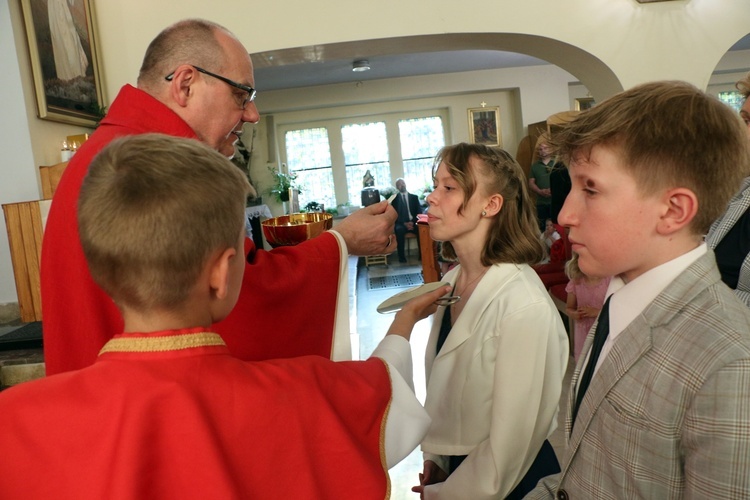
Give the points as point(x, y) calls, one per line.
point(421, 139)
point(331, 156)
point(733, 99)
point(365, 148)
point(309, 155)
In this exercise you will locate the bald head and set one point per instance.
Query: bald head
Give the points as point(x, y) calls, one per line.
point(192, 41)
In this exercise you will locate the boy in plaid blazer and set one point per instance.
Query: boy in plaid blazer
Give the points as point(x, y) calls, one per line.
point(667, 411)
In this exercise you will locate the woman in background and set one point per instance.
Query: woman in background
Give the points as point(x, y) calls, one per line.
point(729, 234)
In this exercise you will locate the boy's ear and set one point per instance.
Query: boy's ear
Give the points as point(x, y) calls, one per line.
point(493, 205)
point(219, 273)
point(680, 208)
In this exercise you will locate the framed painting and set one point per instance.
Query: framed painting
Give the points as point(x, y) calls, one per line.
point(64, 60)
point(584, 103)
point(484, 126)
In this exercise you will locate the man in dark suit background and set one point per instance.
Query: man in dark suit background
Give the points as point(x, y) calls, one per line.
point(407, 207)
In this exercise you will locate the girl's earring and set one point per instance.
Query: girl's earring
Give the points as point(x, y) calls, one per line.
point(484, 213)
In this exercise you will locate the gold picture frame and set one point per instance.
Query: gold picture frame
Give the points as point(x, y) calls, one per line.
point(68, 87)
point(584, 103)
point(484, 126)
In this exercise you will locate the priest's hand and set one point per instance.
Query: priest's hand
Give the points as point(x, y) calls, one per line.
point(369, 231)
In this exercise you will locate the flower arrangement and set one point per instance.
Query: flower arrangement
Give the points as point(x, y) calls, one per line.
point(428, 188)
point(386, 191)
point(314, 206)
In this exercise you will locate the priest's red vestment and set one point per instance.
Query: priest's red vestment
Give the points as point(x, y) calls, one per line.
point(287, 290)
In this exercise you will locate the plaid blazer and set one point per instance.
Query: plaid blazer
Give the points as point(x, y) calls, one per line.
point(721, 226)
point(667, 414)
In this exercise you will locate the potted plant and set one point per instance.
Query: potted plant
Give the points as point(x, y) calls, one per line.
point(281, 184)
point(428, 188)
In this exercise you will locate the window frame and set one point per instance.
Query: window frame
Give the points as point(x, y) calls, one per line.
point(333, 125)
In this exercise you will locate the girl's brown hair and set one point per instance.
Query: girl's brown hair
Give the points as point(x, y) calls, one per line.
point(515, 235)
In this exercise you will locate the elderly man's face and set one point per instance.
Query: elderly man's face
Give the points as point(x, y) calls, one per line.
point(219, 118)
point(401, 186)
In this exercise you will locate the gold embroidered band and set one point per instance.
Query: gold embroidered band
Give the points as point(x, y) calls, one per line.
point(161, 344)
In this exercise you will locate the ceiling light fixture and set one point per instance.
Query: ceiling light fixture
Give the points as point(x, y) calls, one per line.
point(361, 65)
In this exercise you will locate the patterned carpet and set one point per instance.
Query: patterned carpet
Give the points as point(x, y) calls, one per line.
point(394, 281)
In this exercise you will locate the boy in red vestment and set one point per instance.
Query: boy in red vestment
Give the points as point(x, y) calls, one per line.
point(166, 411)
point(196, 81)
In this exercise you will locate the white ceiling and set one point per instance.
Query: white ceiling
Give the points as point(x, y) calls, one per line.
point(272, 72)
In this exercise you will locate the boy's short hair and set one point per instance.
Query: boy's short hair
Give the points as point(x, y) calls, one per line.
point(669, 134)
point(152, 209)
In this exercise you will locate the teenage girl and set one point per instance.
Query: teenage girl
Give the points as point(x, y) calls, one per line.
point(496, 358)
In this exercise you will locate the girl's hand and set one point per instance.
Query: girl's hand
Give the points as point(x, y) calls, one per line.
point(431, 474)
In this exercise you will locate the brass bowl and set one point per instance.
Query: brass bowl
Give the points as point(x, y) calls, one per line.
point(293, 229)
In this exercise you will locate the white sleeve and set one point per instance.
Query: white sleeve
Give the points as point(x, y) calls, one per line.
point(432, 491)
point(342, 347)
point(407, 421)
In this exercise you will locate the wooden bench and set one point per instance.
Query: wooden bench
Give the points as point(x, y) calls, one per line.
point(50, 176)
point(374, 260)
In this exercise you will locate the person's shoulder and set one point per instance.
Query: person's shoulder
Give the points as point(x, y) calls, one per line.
point(519, 283)
point(46, 392)
point(732, 314)
point(712, 326)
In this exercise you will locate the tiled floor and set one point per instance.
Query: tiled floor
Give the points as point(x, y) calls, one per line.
point(371, 328)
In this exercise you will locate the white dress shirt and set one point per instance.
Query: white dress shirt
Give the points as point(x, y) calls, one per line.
point(633, 298)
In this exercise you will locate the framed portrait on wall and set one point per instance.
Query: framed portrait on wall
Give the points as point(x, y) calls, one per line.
point(64, 60)
point(584, 103)
point(484, 126)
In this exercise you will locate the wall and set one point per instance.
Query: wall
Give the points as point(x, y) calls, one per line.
point(681, 39)
point(18, 180)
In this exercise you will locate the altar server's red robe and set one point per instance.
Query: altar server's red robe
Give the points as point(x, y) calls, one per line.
point(174, 416)
point(291, 289)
